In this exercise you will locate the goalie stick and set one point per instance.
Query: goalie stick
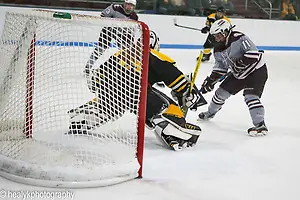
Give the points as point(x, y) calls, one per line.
point(23, 44)
point(186, 27)
point(185, 108)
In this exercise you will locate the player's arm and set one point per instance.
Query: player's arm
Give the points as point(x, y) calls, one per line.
point(210, 19)
point(249, 56)
point(244, 53)
point(134, 16)
point(219, 70)
point(163, 69)
point(109, 11)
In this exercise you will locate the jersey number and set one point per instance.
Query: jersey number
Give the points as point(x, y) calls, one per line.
point(246, 44)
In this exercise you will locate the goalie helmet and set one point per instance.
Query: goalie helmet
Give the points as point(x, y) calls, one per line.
point(154, 41)
point(220, 26)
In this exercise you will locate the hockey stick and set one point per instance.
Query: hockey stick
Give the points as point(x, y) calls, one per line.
point(185, 108)
point(196, 71)
point(222, 77)
point(187, 27)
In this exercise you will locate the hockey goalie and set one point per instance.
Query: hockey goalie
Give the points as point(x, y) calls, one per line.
point(112, 83)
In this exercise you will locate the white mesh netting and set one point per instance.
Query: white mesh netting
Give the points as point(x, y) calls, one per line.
point(68, 103)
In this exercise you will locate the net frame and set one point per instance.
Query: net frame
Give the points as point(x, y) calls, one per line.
point(30, 73)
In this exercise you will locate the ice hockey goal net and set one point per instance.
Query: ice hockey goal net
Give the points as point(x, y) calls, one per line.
point(44, 87)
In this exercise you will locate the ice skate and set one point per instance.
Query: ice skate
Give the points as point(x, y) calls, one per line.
point(205, 116)
point(79, 128)
point(258, 130)
point(175, 143)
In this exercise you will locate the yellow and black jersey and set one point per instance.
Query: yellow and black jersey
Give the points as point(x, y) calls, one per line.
point(212, 18)
point(162, 69)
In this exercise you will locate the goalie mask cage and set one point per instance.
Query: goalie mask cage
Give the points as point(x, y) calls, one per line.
point(44, 87)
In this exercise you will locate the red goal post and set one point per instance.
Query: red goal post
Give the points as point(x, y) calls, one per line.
point(42, 60)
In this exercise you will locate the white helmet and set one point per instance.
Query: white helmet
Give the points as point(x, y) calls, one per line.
point(154, 41)
point(131, 2)
point(220, 26)
point(129, 9)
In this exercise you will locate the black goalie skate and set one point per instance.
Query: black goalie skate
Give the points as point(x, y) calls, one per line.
point(79, 128)
point(258, 130)
point(175, 143)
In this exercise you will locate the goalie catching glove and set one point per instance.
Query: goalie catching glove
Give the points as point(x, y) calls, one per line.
point(191, 99)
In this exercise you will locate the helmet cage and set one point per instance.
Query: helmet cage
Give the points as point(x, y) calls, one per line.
point(154, 41)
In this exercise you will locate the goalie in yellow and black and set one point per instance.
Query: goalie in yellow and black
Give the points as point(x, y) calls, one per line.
point(163, 114)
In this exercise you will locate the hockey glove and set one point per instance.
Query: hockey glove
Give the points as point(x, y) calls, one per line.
point(188, 99)
point(210, 81)
point(205, 30)
point(208, 85)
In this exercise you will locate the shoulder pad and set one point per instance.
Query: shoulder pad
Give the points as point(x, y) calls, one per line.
point(161, 56)
point(213, 15)
point(119, 8)
point(227, 19)
point(115, 6)
point(234, 36)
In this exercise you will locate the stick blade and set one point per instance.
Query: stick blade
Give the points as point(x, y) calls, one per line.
point(175, 21)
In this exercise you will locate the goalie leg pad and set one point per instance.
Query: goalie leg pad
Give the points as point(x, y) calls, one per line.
point(172, 136)
point(156, 103)
point(175, 116)
point(165, 132)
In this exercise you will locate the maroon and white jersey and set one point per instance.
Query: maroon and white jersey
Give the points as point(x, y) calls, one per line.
point(117, 11)
point(239, 54)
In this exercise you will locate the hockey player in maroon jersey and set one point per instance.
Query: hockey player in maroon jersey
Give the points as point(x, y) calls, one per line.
point(236, 52)
point(121, 11)
point(115, 95)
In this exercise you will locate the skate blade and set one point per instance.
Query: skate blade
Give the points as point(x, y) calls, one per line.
point(203, 120)
point(257, 134)
point(176, 147)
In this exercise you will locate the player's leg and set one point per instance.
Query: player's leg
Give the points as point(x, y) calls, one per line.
point(94, 114)
point(208, 45)
point(105, 38)
point(167, 120)
point(230, 86)
point(252, 93)
point(111, 102)
point(85, 118)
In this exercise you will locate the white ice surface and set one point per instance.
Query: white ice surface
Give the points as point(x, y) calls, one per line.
point(226, 164)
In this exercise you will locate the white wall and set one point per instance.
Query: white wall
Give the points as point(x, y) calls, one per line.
point(263, 32)
point(268, 33)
